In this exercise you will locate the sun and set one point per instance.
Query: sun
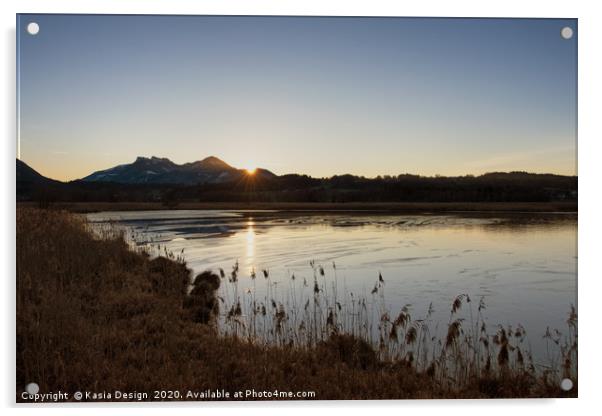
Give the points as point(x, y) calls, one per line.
point(251, 170)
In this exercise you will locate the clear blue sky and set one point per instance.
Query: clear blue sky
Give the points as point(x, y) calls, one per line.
point(321, 96)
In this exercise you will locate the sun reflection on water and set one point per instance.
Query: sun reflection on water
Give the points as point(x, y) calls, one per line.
point(250, 235)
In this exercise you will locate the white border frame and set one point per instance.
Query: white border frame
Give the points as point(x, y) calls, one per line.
point(590, 32)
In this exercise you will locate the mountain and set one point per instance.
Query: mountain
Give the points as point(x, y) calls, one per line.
point(30, 182)
point(27, 175)
point(155, 170)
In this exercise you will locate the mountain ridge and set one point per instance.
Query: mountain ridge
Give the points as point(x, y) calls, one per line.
point(157, 170)
point(26, 175)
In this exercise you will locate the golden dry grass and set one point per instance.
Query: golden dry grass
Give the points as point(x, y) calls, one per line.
point(94, 315)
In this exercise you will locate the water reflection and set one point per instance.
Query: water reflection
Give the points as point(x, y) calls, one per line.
point(250, 236)
point(523, 264)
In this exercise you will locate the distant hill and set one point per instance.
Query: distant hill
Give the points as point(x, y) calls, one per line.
point(30, 184)
point(27, 175)
point(155, 170)
point(212, 180)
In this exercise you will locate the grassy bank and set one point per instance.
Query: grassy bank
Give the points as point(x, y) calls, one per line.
point(92, 315)
point(412, 207)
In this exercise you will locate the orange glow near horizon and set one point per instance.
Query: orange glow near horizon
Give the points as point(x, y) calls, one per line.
point(66, 166)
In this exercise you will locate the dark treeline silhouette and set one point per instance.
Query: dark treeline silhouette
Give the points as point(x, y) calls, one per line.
point(491, 187)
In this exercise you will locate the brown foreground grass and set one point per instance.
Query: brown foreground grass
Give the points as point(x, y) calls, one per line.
point(558, 206)
point(92, 315)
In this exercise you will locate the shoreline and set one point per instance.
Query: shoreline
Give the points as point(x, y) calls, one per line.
point(559, 207)
point(147, 319)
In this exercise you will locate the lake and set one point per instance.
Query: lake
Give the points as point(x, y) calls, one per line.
point(524, 266)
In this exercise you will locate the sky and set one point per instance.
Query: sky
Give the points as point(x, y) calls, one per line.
point(313, 95)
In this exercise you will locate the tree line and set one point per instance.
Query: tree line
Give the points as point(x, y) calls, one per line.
point(490, 187)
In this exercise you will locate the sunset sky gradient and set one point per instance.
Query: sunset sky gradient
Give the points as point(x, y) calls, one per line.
point(321, 96)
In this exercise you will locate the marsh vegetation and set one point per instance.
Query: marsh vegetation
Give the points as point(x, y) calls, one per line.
point(94, 314)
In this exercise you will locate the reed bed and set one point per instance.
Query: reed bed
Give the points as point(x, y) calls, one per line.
point(93, 314)
point(305, 314)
